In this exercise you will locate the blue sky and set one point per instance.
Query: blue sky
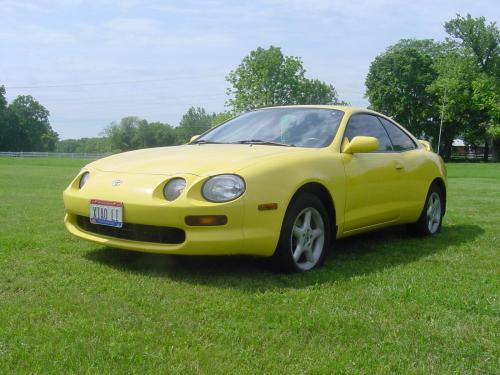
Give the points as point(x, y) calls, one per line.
point(92, 62)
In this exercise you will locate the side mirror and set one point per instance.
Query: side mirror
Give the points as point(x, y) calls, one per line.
point(427, 145)
point(361, 144)
point(193, 138)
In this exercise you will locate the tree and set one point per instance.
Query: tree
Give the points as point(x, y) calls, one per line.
point(480, 40)
point(453, 87)
point(397, 83)
point(219, 118)
point(132, 133)
point(267, 78)
point(155, 134)
point(415, 79)
point(4, 130)
point(314, 91)
point(24, 125)
point(486, 97)
point(123, 135)
point(30, 127)
point(84, 145)
point(3, 100)
point(195, 121)
point(480, 46)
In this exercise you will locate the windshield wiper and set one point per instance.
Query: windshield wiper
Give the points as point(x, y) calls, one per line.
point(204, 141)
point(263, 142)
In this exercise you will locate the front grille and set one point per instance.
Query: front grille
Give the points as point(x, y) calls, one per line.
point(135, 232)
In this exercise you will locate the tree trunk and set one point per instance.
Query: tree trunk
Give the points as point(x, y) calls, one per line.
point(486, 151)
point(496, 149)
point(446, 150)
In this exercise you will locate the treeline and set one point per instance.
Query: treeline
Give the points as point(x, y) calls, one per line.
point(266, 77)
point(132, 133)
point(424, 84)
point(24, 125)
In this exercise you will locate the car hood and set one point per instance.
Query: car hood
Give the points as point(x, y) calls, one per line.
point(201, 160)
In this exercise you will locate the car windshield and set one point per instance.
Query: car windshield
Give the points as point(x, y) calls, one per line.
point(301, 127)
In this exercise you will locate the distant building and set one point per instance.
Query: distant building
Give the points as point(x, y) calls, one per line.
point(461, 150)
point(458, 148)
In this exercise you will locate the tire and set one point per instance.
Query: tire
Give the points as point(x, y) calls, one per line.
point(305, 236)
point(431, 218)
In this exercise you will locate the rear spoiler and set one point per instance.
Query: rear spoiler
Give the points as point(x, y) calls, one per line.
point(426, 144)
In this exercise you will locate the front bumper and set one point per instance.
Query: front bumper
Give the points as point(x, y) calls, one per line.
point(247, 232)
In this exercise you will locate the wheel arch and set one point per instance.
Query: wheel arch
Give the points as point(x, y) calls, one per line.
point(440, 183)
point(324, 195)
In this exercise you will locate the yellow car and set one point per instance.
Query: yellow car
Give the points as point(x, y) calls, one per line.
point(279, 182)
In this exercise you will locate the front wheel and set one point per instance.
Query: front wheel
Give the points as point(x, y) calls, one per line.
point(432, 215)
point(305, 235)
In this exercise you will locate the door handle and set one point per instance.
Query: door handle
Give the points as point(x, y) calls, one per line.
point(398, 165)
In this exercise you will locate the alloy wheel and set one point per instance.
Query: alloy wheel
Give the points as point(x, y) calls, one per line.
point(307, 238)
point(434, 212)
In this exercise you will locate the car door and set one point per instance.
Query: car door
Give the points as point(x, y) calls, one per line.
point(373, 184)
point(413, 163)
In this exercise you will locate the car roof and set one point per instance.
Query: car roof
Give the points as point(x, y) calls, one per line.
point(344, 108)
point(347, 109)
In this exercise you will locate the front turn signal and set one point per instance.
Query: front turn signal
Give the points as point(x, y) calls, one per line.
point(206, 220)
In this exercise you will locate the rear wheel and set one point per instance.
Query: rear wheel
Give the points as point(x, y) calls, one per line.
point(431, 217)
point(305, 235)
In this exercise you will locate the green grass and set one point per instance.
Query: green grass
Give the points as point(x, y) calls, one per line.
point(383, 303)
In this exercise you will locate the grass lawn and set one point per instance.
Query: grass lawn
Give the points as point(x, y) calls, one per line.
point(383, 303)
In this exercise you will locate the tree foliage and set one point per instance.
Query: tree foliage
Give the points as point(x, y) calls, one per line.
point(24, 125)
point(397, 83)
point(4, 123)
point(219, 118)
point(194, 122)
point(84, 145)
point(479, 39)
point(314, 91)
point(480, 42)
point(453, 87)
point(266, 77)
point(486, 98)
point(133, 133)
point(469, 79)
point(414, 80)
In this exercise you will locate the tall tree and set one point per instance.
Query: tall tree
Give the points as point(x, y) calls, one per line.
point(453, 88)
point(155, 134)
point(132, 133)
point(314, 91)
point(480, 45)
point(33, 127)
point(221, 117)
point(195, 121)
point(481, 41)
point(123, 135)
point(397, 82)
point(266, 77)
point(4, 126)
point(86, 145)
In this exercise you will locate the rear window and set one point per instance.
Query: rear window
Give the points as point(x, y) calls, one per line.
point(400, 140)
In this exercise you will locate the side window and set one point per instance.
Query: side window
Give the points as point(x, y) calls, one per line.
point(369, 126)
point(400, 140)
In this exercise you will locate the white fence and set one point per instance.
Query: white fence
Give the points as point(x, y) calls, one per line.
point(70, 155)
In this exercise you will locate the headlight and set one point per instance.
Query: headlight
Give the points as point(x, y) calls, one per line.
point(223, 188)
point(83, 179)
point(174, 188)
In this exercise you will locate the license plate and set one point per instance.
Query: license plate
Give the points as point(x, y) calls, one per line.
point(106, 213)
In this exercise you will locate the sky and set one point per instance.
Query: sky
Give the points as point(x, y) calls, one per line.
point(96, 61)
